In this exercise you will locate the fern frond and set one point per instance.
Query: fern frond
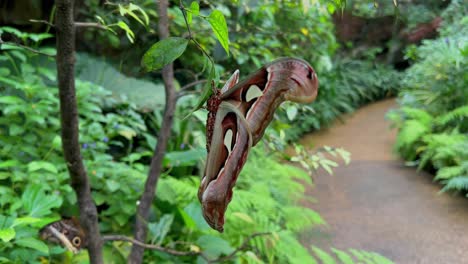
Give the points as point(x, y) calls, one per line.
point(323, 256)
point(351, 256)
point(448, 173)
point(457, 113)
point(301, 218)
point(458, 184)
point(418, 114)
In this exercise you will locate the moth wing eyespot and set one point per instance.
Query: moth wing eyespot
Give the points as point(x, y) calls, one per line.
point(76, 241)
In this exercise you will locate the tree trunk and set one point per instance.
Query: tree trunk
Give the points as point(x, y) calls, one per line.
point(69, 127)
point(141, 224)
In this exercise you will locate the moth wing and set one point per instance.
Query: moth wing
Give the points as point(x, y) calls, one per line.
point(233, 80)
point(259, 95)
point(230, 145)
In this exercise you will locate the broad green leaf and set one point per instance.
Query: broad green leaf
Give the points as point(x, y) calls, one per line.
point(9, 164)
point(219, 26)
point(44, 165)
point(39, 37)
point(25, 221)
point(7, 234)
point(37, 203)
point(214, 246)
point(193, 210)
point(163, 52)
point(11, 100)
point(33, 243)
point(112, 185)
point(128, 134)
point(194, 10)
point(188, 221)
point(13, 31)
point(184, 158)
point(159, 230)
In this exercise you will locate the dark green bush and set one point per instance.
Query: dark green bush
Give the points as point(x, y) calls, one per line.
point(433, 120)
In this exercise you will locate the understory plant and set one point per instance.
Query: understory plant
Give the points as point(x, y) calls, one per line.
point(116, 141)
point(433, 118)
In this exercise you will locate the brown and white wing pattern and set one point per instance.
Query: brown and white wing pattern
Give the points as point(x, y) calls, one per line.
point(237, 119)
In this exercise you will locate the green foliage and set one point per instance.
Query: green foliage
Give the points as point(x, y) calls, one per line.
point(163, 53)
point(433, 120)
point(350, 256)
point(120, 117)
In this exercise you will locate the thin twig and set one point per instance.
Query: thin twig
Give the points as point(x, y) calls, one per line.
point(77, 24)
point(26, 48)
point(42, 22)
point(62, 239)
point(149, 246)
point(190, 85)
point(90, 25)
point(174, 252)
point(182, 9)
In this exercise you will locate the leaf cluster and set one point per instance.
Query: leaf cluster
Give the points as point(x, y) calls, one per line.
point(433, 120)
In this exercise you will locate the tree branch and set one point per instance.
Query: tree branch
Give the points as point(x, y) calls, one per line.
point(42, 22)
point(77, 24)
point(90, 25)
point(149, 246)
point(141, 224)
point(69, 127)
point(243, 246)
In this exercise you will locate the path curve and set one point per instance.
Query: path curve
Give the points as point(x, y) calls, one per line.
point(377, 204)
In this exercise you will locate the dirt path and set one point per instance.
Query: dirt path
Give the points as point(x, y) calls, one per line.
point(378, 204)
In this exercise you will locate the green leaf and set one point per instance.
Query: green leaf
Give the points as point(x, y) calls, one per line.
point(291, 112)
point(34, 243)
point(163, 52)
point(25, 221)
point(207, 92)
point(16, 130)
point(159, 230)
point(7, 234)
point(344, 257)
point(193, 210)
point(128, 31)
point(184, 158)
point(39, 37)
point(37, 203)
point(214, 246)
point(323, 256)
point(9, 164)
point(11, 100)
point(219, 26)
point(44, 165)
point(112, 185)
point(193, 11)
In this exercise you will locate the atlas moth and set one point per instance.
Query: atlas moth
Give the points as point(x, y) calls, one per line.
point(238, 115)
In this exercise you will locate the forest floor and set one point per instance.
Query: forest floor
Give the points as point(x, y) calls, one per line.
point(377, 204)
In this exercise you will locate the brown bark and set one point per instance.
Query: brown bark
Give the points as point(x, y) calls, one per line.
point(69, 127)
point(141, 224)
